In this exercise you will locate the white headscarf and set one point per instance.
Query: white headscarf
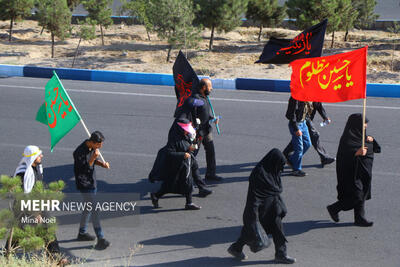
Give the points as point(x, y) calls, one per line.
point(25, 165)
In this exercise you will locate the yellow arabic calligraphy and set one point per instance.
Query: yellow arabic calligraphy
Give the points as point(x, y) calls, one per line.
point(318, 70)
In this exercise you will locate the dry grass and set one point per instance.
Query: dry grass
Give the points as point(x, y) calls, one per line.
point(128, 49)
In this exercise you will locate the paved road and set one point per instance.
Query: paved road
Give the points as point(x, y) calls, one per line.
point(135, 120)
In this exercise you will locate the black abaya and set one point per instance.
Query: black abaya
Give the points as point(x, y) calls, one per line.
point(354, 173)
point(264, 204)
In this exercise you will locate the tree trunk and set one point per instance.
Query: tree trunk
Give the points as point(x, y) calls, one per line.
point(333, 38)
point(76, 52)
point(210, 47)
point(52, 45)
point(260, 32)
point(11, 27)
point(345, 35)
point(169, 53)
point(102, 35)
point(42, 30)
point(10, 239)
point(148, 35)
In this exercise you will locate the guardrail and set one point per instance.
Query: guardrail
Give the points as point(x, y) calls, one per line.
point(373, 89)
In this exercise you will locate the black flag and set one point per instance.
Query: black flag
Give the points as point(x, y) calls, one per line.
point(186, 81)
point(305, 45)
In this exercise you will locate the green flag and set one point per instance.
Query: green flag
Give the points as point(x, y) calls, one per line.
point(58, 111)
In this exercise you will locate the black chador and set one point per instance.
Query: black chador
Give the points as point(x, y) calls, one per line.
point(175, 164)
point(354, 171)
point(264, 205)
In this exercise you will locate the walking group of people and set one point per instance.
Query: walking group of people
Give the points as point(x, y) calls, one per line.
point(177, 168)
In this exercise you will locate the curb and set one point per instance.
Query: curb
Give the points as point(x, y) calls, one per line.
point(373, 89)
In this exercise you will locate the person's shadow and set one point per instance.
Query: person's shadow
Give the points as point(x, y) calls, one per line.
point(207, 238)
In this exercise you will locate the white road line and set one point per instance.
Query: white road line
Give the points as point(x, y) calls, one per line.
point(106, 152)
point(214, 98)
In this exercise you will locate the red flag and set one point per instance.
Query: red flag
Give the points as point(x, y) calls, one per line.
point(335, 78)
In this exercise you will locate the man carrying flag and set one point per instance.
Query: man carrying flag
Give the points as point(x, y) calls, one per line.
point(193, 104)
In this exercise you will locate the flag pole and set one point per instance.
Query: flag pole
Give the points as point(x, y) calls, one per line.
point(213, 113)
point(363, 122)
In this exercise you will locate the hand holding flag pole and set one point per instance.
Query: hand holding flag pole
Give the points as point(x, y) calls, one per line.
point(213, 113)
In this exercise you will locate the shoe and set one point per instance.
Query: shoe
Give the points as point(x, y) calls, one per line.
point(260, 246)
point(213, 177)
point(192, 206)
point(363, 223)
point(327, 161)
point(204, 192)
point(102, 244)
point(85, 237)
point(154, 200)
point(334, 215)
point(284, 259)
point(237, 254)
point(298, 173)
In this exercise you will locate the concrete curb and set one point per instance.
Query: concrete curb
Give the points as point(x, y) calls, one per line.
point(373, 89)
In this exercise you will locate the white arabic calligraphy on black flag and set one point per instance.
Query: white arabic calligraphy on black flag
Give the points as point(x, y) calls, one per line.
point(307, 44)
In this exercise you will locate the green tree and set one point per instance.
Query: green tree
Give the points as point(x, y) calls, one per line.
point(366, 15)
point(310, 12)
point(99, 11)
point(173, 21)
point(55, 16)
point(348, 16)
point(15, 9)
point(395, 29)
point(265, 12)
point(87, 31)
point(220, 15)
point(138, 11)
point(72, 4)
point(18, 234)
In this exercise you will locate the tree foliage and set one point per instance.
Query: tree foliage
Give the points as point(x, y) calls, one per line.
point(366, 15)
point(138, 10)
point(173, 21)
point(55, 16)
point(15, 9)
point(266, 13)
point(220, 15)
point(99, 11)
point(72, 4)
point(87, 31)
point(348, 16)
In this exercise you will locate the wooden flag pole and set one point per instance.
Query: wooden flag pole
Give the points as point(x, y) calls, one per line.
point(363, 122)
point(87, 131)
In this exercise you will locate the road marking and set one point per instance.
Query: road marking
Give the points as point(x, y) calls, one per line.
point(214, 98)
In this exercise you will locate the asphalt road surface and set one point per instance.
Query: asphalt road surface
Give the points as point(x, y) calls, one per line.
point(135, 120)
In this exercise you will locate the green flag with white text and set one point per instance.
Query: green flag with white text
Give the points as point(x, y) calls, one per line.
point(58, 112)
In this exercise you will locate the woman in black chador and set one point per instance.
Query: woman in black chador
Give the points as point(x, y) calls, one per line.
point(264, 204)
point(354, 171)
point(175, 164)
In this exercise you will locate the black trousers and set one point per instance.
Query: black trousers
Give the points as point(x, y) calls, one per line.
point(208, 144)
point(357, 205)
point(162, 192)
point(314, 136)
point(196, 176)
